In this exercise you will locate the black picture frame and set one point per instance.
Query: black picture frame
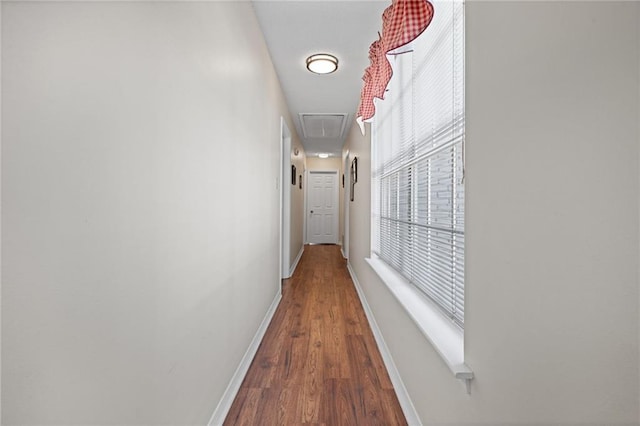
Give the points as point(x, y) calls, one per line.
point(293, 174)
point(354, 177)
point(354, 170)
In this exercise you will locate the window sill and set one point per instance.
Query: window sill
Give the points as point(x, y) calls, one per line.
point(446, 338)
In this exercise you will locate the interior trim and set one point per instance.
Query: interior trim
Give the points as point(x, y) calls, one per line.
point(406, 404)
point(229, 395)
point(295, 262)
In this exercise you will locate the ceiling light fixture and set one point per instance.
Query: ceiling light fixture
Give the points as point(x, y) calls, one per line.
point(323, 155)
point(322, 63)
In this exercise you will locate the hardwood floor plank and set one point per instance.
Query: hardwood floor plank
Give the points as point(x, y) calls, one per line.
point(335, 345)
point(392, 410)
point(367, 383)
point(311, 394)
point(347, 404)
point(350, 307)
point(246, 413)
point(318, 362)
point(288, 398)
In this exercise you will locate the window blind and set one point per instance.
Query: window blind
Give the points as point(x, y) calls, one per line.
point(418, 163)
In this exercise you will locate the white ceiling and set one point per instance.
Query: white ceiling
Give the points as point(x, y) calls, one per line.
point(294, 30)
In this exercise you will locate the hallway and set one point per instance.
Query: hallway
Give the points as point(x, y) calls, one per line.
point(155, 188)
point(318, 362)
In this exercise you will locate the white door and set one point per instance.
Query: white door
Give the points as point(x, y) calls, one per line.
point(322, 207)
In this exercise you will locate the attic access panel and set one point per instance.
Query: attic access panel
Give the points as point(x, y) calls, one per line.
point(323, 126)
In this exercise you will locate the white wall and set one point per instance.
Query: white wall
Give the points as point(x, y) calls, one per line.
point(140, 207)
point(360, 208)
point(297, 201)
point(552, 223)
point(331, 163)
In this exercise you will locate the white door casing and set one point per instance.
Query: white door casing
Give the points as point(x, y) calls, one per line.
point(322, 207)
point(285, 198)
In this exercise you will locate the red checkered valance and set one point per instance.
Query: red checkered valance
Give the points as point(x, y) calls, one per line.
point(376, 77)
point(402, 22)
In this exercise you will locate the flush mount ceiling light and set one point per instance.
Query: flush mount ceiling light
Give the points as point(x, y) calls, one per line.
point(323, 155)
point(322, 63)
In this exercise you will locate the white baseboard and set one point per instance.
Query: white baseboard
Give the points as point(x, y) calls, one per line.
point(406, 404)
point(230, 393)
point(295, 262)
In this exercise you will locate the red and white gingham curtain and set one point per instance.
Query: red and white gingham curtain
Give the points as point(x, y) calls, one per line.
point(402, 22)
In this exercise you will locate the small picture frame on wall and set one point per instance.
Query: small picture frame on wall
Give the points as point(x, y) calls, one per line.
point(300, 181)
point(354, 177)
point(293, 174)
point(354, 170)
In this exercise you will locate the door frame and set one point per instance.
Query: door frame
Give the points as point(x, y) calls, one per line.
point(346, 200)
point(285, 200)
point(336, 201)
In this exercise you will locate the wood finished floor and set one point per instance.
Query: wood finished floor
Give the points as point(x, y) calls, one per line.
point(318, 362)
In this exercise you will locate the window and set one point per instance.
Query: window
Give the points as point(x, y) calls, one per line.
point(418, 164)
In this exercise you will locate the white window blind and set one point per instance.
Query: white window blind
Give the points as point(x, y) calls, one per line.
point(417, 151)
